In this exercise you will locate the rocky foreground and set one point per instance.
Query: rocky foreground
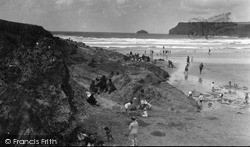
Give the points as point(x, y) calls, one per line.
point(43, 80)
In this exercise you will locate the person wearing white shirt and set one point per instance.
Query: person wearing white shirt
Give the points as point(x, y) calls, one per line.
point(133, 130)
point(145, 113)
point(126, 106)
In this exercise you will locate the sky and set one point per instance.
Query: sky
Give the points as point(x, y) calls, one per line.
point(154, 16)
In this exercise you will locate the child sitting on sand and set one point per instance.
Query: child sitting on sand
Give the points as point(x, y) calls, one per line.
point(145, 113)
point(108, 133)
point(190, 94)
point(220, 97)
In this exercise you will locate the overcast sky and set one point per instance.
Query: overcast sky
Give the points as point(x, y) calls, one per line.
point(155, 16)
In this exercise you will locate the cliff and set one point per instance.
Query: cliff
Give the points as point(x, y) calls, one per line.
point(36, 98)
point(240, 29)
point(43, 80)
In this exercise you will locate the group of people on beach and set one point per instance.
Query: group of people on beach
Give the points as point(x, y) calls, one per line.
point(201, 66)
point(91, 139)
point(98, 86)
point(136, 57)
point(103, 84)
point(220, 96)
point(136, 104)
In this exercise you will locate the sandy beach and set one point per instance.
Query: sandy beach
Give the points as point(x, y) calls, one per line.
point(116, 73)
point(220, 122)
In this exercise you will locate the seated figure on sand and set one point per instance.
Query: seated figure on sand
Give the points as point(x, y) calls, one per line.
point(220, 97)
point(246, 98)
point(108, 133)
point(91, 100)
point(83, 139)
point(135, 105)
point(145, 113)
point(144, 104)
point(103, 84)
point(93, 87)
point(170, 63)
point(110, 86)
point(200, 100)
point(190, 94)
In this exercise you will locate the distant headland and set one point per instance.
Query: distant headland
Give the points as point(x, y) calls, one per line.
point(142, 32)
point(240, 29)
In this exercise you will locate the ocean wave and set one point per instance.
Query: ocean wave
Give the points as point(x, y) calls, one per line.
point(170, 43)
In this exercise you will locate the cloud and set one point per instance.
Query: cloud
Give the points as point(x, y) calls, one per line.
point(212, 4)
point(63, 2)
point(209, 8)
point(120, 2)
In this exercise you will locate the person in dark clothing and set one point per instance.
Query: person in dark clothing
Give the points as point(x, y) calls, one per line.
point(201, 67)
point(111, 86)
point(186, 69)
point(93, 87)
point(91, 100)
point(170, 63)
point(100, 143)
point(92, 140)
point(112, 73)
point(108, 133)
point(188, 59)
point(103, 84)
point(143, 57)
point(140, 97)
point(93, 63)
point(97, 85)
point(148, 59)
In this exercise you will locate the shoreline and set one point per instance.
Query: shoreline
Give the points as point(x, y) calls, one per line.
point(201, 83)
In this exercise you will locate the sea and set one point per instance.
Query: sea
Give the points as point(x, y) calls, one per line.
point(141, 42)
point(229, 59)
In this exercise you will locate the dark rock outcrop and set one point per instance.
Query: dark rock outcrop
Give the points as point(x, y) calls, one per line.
point(142, 32)
point(43, 80)
point(36, 97)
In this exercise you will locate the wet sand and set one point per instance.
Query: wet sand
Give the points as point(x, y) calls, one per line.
point(221, 70)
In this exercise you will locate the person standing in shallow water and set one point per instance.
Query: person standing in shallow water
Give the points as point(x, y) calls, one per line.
point(188, 60)
point(186, 69)
point(201, 67)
